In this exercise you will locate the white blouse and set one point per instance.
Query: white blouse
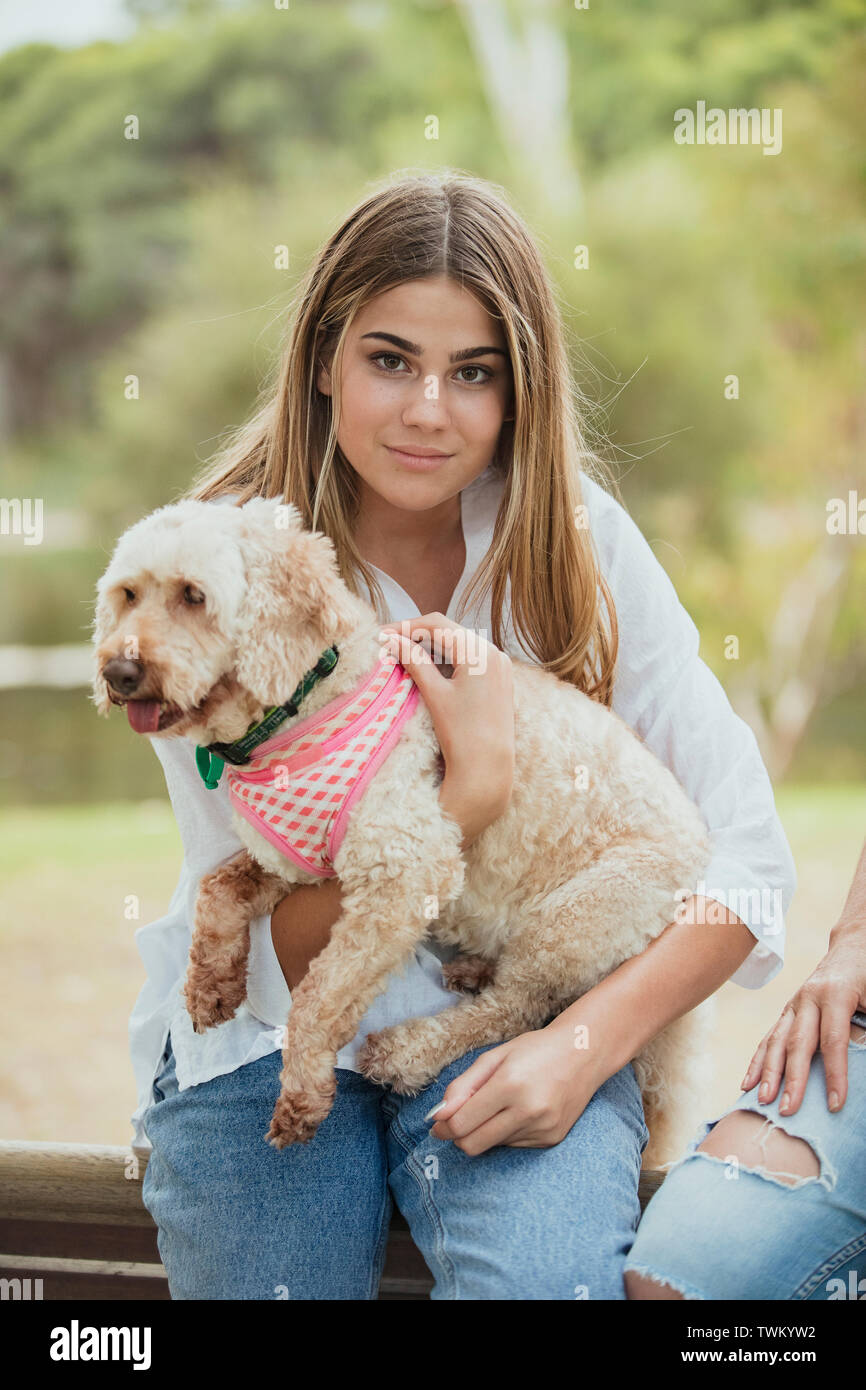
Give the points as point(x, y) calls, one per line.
point(662, 689)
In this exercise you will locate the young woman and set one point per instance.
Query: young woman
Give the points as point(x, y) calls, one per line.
point(425, 419)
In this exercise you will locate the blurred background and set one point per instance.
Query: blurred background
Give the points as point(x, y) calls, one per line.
point(716, 324)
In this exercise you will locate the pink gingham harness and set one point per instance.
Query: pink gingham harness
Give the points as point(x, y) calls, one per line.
point(301, 785)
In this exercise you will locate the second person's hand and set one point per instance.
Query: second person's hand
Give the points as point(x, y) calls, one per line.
point(817, 1016)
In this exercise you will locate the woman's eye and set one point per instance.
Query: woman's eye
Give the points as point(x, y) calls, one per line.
point(387, 356)
point(486, 377)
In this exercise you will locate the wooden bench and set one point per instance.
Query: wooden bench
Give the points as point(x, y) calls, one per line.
point(71, 1215)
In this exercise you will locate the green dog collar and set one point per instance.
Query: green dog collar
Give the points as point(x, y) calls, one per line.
point(211, 758)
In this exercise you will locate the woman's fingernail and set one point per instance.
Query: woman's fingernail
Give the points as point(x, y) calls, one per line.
point(745, 1081)
point(763, 1090)
point(786, 1101)
point(834, 1100)
point(432, 1112)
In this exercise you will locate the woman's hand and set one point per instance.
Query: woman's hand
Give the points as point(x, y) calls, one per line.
point(472, 713)
point(818, 1015)
point(526, 1094)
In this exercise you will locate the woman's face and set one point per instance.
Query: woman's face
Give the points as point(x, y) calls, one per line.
point(401, 391)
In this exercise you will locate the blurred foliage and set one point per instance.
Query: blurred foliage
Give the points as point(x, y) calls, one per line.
point(258, 127)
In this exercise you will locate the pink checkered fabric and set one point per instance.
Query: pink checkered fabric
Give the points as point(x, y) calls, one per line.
point(301, 784)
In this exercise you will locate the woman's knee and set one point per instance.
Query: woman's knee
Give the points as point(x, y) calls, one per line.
point(644, 1287)
point(753, 1142)
point(683, 1250)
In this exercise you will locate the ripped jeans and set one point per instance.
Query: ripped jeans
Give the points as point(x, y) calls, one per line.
point(717, 1229)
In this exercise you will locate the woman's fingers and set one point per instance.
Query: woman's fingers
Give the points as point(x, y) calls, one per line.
point(501, 1128)
point(835, 1036)
point(473, 712)
point(462, 1089)
point(774, 1058)
point(422, 669)
point(803, 1041)
point(753, 1071)
point(444, 640)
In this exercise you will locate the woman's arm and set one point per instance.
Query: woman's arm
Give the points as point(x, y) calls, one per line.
point(301, 924)
point(688, 962)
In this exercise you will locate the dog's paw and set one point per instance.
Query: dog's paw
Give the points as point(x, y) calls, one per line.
point(467, 974)
point(390, 1058)
point(210, 1010)
point(296, 1118)
point(212, 999)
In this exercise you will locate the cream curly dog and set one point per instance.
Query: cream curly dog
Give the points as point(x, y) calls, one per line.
point(209, 615)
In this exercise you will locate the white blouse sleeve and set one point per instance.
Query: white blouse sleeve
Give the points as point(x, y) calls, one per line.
point(671, 698)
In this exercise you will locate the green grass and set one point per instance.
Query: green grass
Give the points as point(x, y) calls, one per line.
point(85, 838)
point(819, 813)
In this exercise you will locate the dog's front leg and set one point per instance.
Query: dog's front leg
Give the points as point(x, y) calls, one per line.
point(228, 900)
point(380, 926)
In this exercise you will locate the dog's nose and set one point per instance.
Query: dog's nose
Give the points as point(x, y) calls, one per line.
point(123, 674)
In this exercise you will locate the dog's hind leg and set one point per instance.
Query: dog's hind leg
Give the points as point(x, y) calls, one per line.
point(409, 1055)
point(467, 974)
point(228, 900)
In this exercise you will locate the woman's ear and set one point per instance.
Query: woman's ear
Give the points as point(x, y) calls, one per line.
point(323, 379)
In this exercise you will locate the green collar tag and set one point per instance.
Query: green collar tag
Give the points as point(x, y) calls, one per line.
point(210, 766)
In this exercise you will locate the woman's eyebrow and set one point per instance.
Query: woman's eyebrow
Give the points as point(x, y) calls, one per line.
point(417, 351)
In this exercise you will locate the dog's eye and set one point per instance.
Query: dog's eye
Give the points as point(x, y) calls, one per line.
point(192, 595)
point(129, 594)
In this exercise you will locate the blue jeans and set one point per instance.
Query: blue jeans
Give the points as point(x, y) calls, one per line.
point(238, 1219)
point(718, 1230)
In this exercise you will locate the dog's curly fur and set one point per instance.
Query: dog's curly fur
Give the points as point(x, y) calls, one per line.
point(219, 611)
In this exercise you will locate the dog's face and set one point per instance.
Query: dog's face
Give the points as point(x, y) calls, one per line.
point(208, 614)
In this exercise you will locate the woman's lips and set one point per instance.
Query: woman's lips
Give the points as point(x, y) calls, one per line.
point(416, 462)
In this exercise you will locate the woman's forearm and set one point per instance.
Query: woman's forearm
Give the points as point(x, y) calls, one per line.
point(682, 966)
point(852, 920)
point(301, 924)
point(459, 800)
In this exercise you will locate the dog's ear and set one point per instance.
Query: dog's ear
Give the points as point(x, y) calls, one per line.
point(295, 603)
point(102, 624)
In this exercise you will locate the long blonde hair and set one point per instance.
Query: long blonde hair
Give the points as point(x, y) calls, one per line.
point(413, 227)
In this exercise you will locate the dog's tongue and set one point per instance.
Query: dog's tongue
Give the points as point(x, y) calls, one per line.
point(143, 715)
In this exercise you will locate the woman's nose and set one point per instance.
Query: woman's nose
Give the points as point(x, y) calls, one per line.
point(426, 402)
